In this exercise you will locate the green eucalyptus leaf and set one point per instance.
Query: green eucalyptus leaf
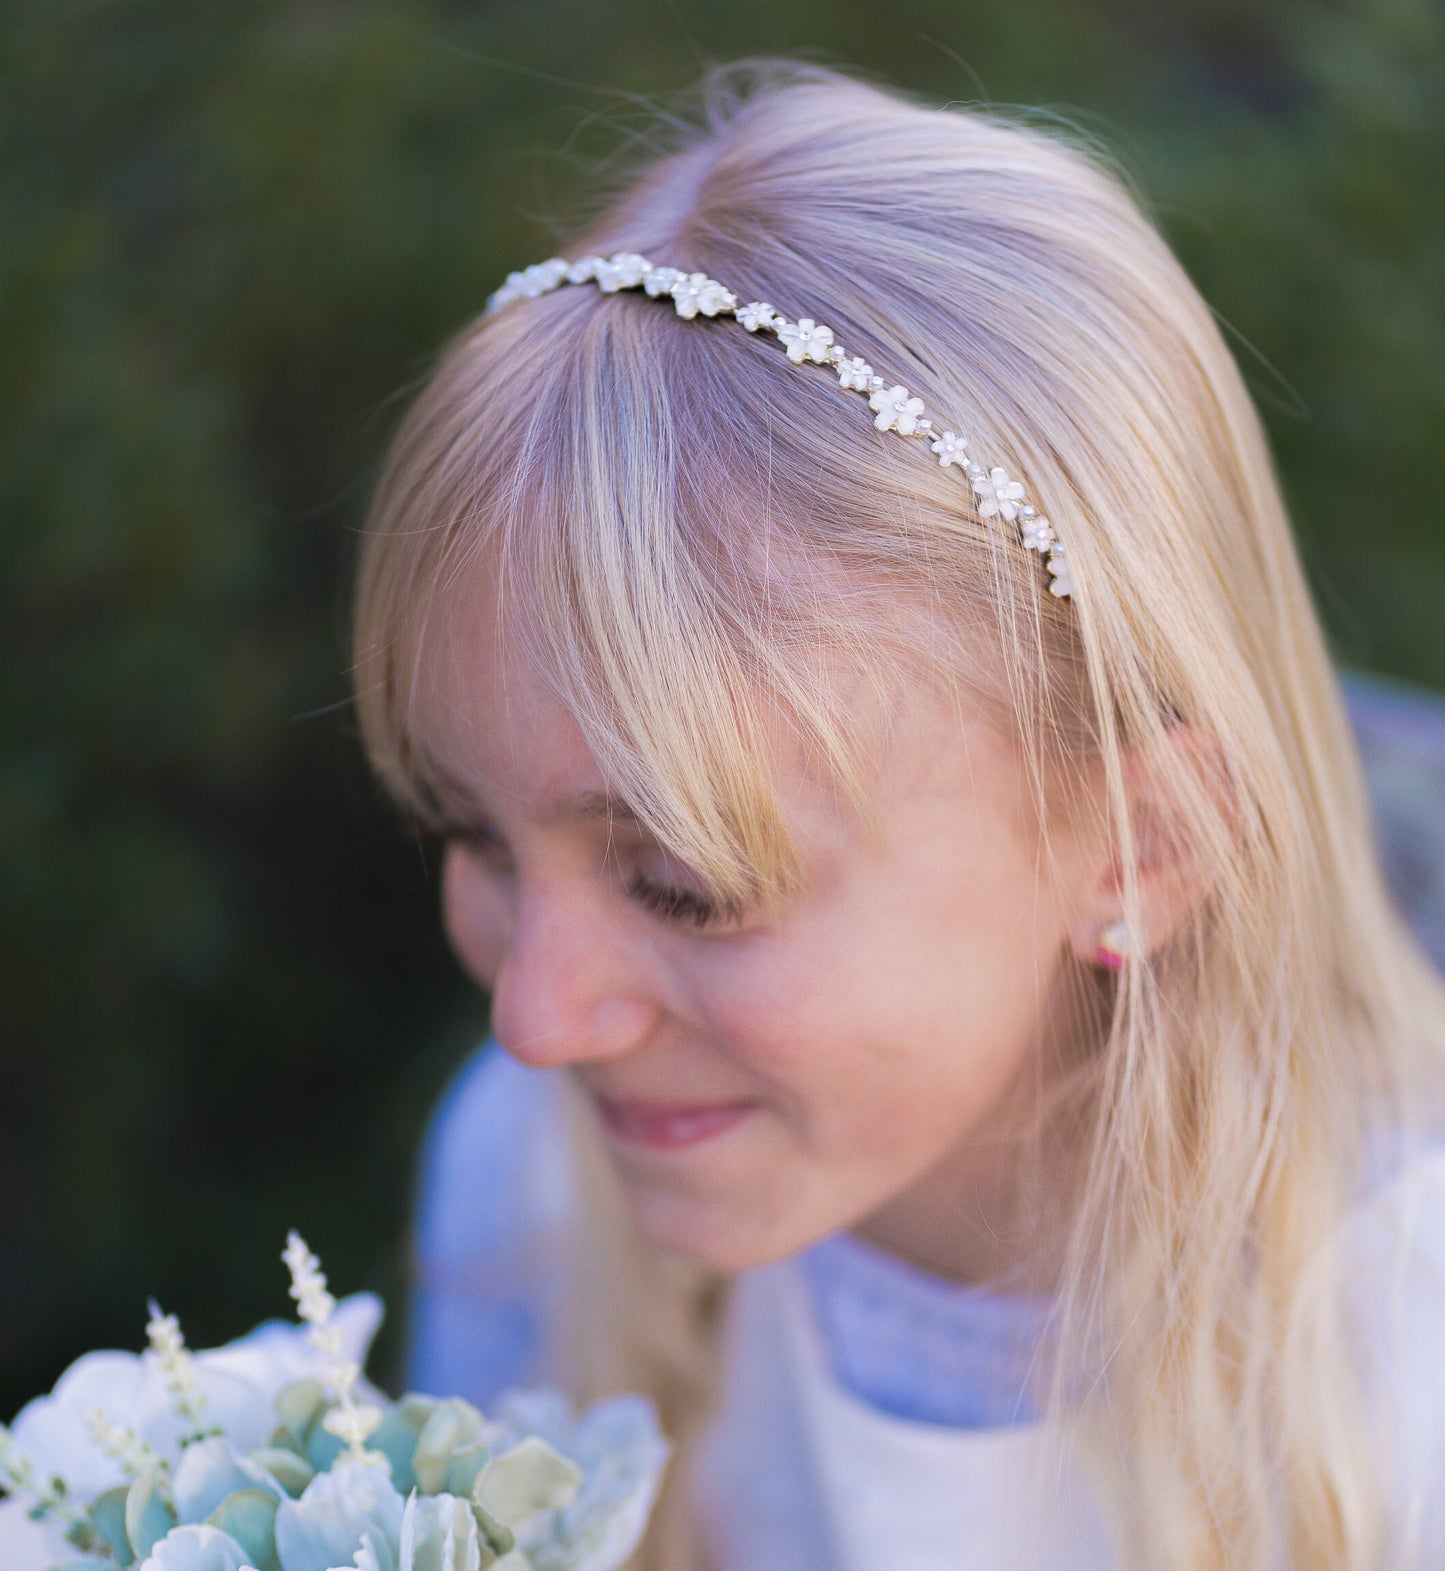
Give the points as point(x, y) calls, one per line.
point(299, 1406)
point(249, 1516)
point(289, 1468)
point(324, 1527)
point(454, 1424)
point(498, 1537)
point(397, 1438)
point(466, 1462)
point(441, 1533)
point(208, 1472)
point(148, 1517)
point(322, 1447)
point(283, 1440)
point(107, 1517)
point(531, 1477)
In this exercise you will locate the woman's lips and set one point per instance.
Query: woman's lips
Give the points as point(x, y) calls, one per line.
point(669, 1126)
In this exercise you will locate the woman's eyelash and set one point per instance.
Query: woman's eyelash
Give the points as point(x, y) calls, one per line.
point(689, 906)
point(481, 836)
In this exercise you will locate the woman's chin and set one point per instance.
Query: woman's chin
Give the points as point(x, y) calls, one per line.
point(714, 1234)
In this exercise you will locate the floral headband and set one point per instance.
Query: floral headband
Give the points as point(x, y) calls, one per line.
point(895, 409)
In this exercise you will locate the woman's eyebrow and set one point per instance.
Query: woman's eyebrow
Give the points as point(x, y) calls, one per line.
point(588, 806)
point(444, 787)
point(584, 807)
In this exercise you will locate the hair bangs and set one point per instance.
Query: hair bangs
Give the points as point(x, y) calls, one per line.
point(644, 560)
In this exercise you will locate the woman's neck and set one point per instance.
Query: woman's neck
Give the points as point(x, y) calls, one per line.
point(978, 1219)
point(996, 1211)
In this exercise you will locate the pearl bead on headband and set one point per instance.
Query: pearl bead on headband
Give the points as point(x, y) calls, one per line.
point(895, 409)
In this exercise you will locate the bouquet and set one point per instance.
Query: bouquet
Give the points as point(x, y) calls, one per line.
point(273, 1453)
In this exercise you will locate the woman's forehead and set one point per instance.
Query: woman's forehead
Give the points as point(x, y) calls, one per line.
point(491, 726)
point(486, 720)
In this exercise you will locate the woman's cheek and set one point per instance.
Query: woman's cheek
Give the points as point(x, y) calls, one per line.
point(474, 914)
point(768, 1017)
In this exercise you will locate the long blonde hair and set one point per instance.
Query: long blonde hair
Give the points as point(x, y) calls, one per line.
point(690, 530)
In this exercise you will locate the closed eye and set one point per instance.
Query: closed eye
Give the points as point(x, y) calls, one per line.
point(474, 834)
point(688, 907)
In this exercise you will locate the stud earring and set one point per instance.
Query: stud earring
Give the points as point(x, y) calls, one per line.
point(1119, 943)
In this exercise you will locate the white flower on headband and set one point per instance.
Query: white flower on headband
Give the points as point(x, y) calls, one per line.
point(545, 276)
point(855, 374)
point(896, 410)
point(626, 270)
point(659, 280)
point(1062, 578)
point(806, 340)
point(950, 449)
point(1038, 533)
point(997, 494)
point(539, 279)
point(697, 292)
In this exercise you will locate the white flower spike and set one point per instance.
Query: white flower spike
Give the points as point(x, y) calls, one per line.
point(308, 1284)
point(127, 1447)
point(350, 1421)
point(806, 341)
point(169, 1346)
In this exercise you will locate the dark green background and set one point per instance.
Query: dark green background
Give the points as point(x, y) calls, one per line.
point(230, 237)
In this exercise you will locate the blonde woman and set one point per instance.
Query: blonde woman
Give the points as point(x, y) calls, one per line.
point(957, 1052)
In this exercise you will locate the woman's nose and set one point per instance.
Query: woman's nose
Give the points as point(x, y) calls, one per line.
point(567, 990)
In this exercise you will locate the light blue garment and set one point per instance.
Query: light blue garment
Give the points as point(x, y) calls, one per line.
point(493, 1181)
point(478, 1316)
point(920, 1347)
point(1400, 729)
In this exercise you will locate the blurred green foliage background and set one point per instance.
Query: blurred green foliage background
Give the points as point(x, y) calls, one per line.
point(231, 237)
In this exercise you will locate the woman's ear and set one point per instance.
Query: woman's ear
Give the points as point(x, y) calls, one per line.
point(1173, 864)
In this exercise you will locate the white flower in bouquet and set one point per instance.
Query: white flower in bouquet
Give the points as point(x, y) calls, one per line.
point(274, 1454)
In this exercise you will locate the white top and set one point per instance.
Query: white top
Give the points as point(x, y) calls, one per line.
point(798, 1471)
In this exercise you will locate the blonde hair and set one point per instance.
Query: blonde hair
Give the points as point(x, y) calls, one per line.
point(691, 531)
